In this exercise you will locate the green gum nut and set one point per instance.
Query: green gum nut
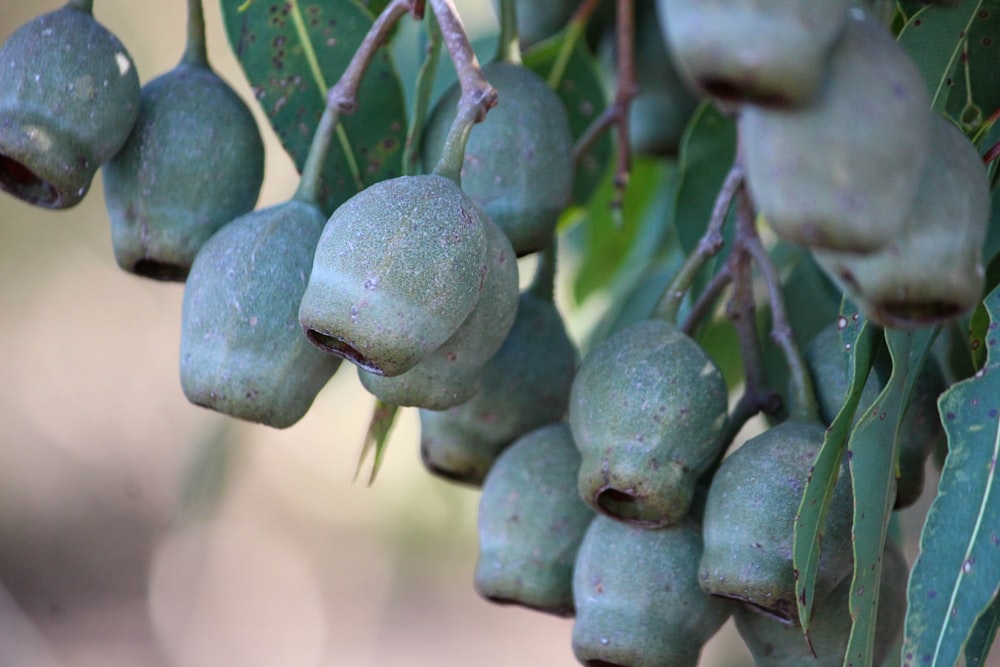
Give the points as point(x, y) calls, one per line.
point(194, 161)
point(537, 21)
point(69, 95)
point(647, 409)
point(242, 351)
point(932, 270)
point(770, 53)
point(450, 374)
point(920, 431)
point(749, 518)
point(842, 172)
point(398, 269)
point(776, 644)
point(531, 523)
point(637, 598)
point(525, 385)
point(518, 162)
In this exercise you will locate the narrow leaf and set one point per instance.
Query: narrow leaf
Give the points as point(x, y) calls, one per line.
point(858, 349)
point(955, 577)
point(292, 53)
point(377, 437)
point(872, 453)
point(977, 650)
point(934, 38)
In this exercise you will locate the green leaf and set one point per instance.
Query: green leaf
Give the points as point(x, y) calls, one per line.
point(977, 650)
point(610, 246)
point(934, 38)
point(955, 577)
point(858, 350)
point(206, 474)
point(583, 95)
point(872, 452)
point(292, 53)
point(377, 437)
point(977, 79)
point(706, 155)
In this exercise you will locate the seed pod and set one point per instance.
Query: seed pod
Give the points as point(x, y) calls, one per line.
point(524, 386)
point(749, 522)
point(776, 644)
point(398, 269)
point(765, 52)
point(242, 352)
point(194, 161)
point(637, 598)
point(841, 172)
point(518, 162)
point(531, 523)
point(932, 270)
point(69, 95)
point(450, 374)
point(647, 409)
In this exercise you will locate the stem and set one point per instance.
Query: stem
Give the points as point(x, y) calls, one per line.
point(342, 99)
point(706, 300)
point(470, 75)
point(82, 5)
point(344, 94)
point(626, 89)
point(544, 281)
point(803, 406)
point(509, 48)
point(708, 246)
point(312, 170)
point(422, 95)
point(195, 51)
point(453, 152)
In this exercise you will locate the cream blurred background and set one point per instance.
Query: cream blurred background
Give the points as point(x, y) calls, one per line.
point(114, 550)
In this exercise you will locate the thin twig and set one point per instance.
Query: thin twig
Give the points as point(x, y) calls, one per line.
point(626, 89)
point(706, 300)
point(708, 246)
point(474, 85)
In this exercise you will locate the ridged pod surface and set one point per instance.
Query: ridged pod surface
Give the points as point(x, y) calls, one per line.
point(638, 603)
point(69, 95)
point(242, 351)
point(932, 270)
point(451, 374)
point(842, 172)
point(193, 162)
point(776, 644)
point(749, 517)
point(920, 431)
point(398, 269)
point(531, 523)
point(518, 162)
point(765, 52)
point(525, 385)
point(647, 409)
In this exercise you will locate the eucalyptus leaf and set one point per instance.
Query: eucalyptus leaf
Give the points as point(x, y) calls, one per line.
point(292, 53)
point(955, 577)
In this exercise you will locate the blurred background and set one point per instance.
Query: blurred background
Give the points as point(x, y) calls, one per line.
point(137, 529)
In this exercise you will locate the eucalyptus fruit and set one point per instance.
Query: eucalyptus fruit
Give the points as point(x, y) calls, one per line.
point(537, 21)
point(398, 269)
point(242, 352)
point(525, 385)
point(748, 525)
point(450, 375)
point(193, 162)
point(842, 172)
point(932, 270)
point(647, 409)
point(638, 603)
point(776, 644)
point(69, 95)
point(519, 161)
point(920, 430)
point(767, 52)
point(531, 523)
